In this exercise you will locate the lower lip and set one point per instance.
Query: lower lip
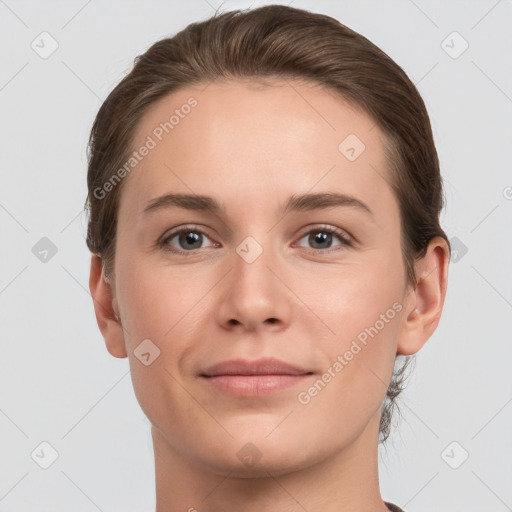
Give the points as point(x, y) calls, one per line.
point(254, 385)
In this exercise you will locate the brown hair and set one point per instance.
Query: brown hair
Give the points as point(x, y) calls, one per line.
point(277, 42)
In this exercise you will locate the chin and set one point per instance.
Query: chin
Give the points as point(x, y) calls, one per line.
point(258, 456)
point(275, 464)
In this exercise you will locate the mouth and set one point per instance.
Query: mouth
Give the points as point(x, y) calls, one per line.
point(261, 377)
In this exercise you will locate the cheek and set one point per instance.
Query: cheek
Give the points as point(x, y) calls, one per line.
point(352, 298)
point(356, 377)
point(166, 306)
point(158, 302)
point(157, 308)
point(363, 307)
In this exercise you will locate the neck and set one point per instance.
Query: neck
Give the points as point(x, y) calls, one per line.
point(346, 481)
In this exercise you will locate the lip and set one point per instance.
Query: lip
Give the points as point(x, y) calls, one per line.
point(244, 378)
point(264, 366)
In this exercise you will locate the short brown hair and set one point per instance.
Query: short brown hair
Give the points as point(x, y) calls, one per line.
point(278, 42)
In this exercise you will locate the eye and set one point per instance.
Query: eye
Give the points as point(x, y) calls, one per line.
point(188, 239)
point(322, 238)
point(185, 239)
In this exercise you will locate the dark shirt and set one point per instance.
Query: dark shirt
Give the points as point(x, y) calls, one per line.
point(393, 508)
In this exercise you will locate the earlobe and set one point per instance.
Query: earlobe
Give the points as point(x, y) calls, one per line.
point(105, 309)
point(424, 303)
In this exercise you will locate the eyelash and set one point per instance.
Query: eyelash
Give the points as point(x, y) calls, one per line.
point(346, 240)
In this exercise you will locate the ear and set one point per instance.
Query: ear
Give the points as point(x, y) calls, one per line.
point(105, 308)
point(424, 302)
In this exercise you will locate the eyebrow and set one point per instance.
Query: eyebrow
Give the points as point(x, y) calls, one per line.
point(296, 203)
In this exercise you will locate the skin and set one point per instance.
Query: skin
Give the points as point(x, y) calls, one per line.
point(250, 147)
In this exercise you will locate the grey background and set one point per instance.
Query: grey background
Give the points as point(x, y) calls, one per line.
point(59, 385)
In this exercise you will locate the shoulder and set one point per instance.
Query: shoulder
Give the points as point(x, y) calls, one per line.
point(393, 507)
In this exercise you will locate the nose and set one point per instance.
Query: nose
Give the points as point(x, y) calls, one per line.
point(253, 296)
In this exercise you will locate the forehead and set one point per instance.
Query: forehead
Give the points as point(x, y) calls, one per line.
point(256, 138)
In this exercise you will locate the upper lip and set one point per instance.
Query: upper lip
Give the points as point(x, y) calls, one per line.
point(265, 366)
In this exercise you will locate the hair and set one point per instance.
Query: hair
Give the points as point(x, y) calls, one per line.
point(280, 42)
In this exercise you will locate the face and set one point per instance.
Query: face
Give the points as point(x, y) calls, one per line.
point(267, 312)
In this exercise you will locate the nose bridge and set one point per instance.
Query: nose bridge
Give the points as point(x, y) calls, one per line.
point(250, 249)
point(251, 273)
point(254, 294)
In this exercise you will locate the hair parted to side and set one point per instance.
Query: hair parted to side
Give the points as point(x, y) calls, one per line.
point(280, 42)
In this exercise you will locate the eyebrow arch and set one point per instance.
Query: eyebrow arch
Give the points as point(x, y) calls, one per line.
point(307, 202)
point(296, 202)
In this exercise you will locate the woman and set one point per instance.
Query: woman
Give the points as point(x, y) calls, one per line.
point(264, 197)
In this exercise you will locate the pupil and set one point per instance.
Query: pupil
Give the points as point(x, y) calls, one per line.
point(190, 239)
point(320, 237)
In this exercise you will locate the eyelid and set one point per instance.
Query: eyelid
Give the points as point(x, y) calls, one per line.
point(346, 239)
point(163, 242)
point(344, 235)
point(185, 227)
